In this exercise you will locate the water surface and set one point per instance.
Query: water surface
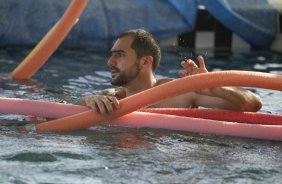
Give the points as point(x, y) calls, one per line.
point(108, 154)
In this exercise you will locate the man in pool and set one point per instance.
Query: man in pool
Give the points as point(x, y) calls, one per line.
point(134, 59)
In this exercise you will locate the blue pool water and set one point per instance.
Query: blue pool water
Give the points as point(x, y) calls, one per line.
point(103, 154)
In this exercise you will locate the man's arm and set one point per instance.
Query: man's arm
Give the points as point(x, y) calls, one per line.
point(229, 98)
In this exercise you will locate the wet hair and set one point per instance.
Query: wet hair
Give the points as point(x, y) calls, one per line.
point(144, 44)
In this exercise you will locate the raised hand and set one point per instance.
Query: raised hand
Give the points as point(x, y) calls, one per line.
point(191, 68)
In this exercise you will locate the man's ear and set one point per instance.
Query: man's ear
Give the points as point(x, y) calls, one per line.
point(147, 61)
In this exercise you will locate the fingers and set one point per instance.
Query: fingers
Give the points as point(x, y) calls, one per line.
point(181, 73)
point(191, 67)
point(90, 102)
point(201, 61)
point(102, 104)
point(109, 102)
point(115, 101)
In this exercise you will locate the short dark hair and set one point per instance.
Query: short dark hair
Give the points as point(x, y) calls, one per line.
point(144, 44)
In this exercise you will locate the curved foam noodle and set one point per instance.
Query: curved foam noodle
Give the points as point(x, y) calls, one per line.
point(264, 130)
point(53, 110)
point(221, 115)
point(154, 120)
point(167, 90)
point(38, 108)
point(45, 48)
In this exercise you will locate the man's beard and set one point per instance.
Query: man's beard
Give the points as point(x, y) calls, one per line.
point(123, 77)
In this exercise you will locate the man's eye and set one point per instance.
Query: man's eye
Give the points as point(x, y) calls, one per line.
point(119, 54)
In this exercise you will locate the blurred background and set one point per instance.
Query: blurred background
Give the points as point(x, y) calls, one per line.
point(223, 25)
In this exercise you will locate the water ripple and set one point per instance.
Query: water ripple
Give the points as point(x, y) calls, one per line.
point(32, 157)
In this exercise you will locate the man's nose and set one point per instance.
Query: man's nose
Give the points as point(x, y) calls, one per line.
point(111, 62)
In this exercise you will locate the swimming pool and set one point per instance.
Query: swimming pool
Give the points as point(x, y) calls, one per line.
point(105, 154)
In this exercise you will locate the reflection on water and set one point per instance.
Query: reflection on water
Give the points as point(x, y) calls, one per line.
point(108, 154)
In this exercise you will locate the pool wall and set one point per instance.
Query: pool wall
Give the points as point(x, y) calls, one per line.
point(199, 23)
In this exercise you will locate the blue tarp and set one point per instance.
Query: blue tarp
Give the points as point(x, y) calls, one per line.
point(253, 20)
point(26, 22)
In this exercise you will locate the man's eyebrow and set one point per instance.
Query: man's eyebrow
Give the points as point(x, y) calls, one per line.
point(115, 51)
